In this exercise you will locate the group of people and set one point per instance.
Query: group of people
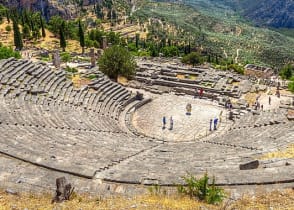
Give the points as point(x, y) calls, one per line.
point(171, 123)
point(257, 104)
point(215, 121)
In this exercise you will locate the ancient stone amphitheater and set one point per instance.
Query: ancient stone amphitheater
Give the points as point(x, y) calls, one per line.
point(49, 128)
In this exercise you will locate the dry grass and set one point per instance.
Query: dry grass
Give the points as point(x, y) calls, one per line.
point(122, 80)
point(6, 38)
point(79, 81)
point(147, 202)
point(286, 153)
point(275, 200)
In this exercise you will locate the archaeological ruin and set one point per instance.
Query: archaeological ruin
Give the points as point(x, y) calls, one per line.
point(103, 136)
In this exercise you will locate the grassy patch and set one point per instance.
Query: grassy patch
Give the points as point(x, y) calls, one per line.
point(275, 200)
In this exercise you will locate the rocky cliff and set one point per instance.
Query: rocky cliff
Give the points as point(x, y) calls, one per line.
point(65, 8)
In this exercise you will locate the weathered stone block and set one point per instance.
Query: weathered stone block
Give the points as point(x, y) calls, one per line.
point(250, 165)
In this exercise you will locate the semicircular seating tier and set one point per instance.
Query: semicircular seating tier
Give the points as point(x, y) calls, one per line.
point(46, 121)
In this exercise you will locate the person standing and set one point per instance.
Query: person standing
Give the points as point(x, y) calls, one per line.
point(163, 122)
point(210, 124)
point(171, 123)
point(269, 100)
point(215, 123)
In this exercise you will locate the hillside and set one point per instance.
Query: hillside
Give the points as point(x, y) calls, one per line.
point(272, 13)
point(278, 14)
point(216, 27)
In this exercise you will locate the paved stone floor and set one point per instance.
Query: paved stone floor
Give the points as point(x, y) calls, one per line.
point(186, 127)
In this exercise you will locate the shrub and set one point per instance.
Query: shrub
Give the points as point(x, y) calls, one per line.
point(8, 28)
point(291, 85)
point(65, 57)
point(200, 189)
point(6, 52)
point(287, 71)
point(71, 70)
point(92, 76)
point(193, 58)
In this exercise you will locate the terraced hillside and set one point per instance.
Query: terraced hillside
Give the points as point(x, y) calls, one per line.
point(49, 129)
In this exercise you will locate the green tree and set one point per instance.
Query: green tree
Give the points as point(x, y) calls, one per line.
point(55, 23)
point(7, 15)
point(287, 71)
point(42, 27)
point(170, 51)
point(82, 37)
point(137, 40)
point(192, 58)
point(17, 35)
point(26, 32)
point(117, 61)
point(62, 37)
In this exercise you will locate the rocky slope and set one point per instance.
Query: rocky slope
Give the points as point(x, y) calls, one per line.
point(65, 8)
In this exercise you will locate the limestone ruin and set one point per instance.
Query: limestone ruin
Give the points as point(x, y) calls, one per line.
point(101, 134)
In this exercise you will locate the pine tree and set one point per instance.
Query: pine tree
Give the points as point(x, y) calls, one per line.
point(62, 37)
point(7, 16)
point(42, 27)
point(137, 40)
point(82, 37)
point(17, 35)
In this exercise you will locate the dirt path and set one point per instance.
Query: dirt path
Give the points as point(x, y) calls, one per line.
point(236, 58)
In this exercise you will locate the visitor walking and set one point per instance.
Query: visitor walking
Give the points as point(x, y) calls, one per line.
point(171, 121)
point(269, 100)
point(210, 124)
point(215, 123)
point(201, 92)
point(163, 122)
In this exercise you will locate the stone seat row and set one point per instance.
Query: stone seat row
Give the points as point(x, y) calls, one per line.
point(38, 83)
point(264, 138)
point(169, 162)
point(81, 152)
point(20, 112)
point(264, 118)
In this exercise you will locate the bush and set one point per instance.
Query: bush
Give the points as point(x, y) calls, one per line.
point(6, 52)
point(237, 68)
point(192, 58)
point(291, 85)
point(287, 71)
point(200, 189)
point(92, 76)
point(65, 57)
point(71, 70)
point(8, 28)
